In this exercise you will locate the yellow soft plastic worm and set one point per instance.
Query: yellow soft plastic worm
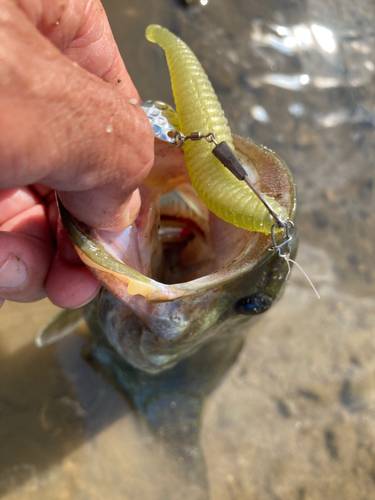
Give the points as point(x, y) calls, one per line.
point(199, 110)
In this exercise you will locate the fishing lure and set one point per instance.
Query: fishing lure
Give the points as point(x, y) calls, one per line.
point(198, 109)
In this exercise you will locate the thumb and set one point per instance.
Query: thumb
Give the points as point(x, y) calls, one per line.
point(107, 155)
point(118, 152)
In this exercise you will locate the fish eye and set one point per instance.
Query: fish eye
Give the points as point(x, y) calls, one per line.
point(253, 304)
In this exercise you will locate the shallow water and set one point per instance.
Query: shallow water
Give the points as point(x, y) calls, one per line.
point(293, 419)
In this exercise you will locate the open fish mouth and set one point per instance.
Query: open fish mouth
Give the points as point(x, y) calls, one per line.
point(177, 246)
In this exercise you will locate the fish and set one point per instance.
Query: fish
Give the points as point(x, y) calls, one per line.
point(181, 285)
point(182, 274)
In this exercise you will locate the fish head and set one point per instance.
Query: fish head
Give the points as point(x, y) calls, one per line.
point(180, 275)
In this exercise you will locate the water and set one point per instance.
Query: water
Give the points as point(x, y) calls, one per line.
point(293, 419)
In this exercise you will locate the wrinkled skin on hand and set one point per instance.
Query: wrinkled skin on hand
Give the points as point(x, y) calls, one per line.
point(68, 122)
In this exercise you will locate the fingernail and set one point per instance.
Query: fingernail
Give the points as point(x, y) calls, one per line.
point(12, 273)
point(134, 205)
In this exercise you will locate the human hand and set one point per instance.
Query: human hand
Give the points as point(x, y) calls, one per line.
point(68, 122)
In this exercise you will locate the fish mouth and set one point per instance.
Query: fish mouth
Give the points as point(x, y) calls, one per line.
point(184, 237)
point(176, 246)
point(171, 239)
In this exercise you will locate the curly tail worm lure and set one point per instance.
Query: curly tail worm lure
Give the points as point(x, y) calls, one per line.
point(198, 108)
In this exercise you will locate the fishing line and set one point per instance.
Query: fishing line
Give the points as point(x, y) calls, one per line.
point(288, 259)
